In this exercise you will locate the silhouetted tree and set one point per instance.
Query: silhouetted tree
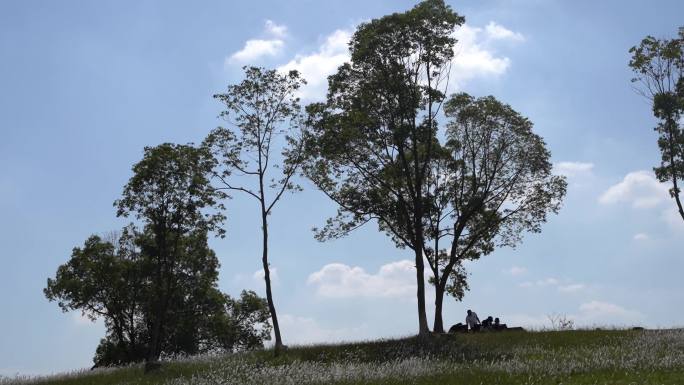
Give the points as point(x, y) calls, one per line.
point(491, 183)
point(659, 68)
point(265, 116)
point(114, 282)
point(371, 144)
point(104, 280)
point(171, 194)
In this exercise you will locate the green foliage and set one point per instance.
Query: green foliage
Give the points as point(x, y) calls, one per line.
point(659, 68)
point(500, 176)
point(490, 183)
point(170, 189)
point(170, 192)
point(264, 114)
point(370, 145)
point(374, 148)
point(156, 287)
point(105, 279)
point(116, 283)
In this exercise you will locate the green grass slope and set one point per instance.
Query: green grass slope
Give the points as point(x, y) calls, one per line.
point(568, 357)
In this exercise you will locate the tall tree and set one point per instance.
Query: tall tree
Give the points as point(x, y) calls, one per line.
point(170, 193)
point(371, 144)
point(260, 153)
point(659, 68)
point(493, 183)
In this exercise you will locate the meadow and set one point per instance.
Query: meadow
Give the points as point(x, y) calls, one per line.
point(544, 357)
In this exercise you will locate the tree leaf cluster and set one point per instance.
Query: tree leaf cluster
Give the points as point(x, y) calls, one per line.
point(658, 65)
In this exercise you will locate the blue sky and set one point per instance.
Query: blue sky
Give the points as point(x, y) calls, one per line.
point(86, 85)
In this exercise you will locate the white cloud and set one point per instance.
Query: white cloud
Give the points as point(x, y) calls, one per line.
point(317, 66)
point(516, 270)
point(641, 237)
point(274, 29)
point(474, 54)
point(257, 48)
point(592, 313)
point(540, 283)
point(572, 288)
point(599, 312)
point(525, 320)
point(304, 330)
point(496, 31)
point(393, 280)
point(671, 216)
point(565, 286)
point(571, 169)
point(475, 57)
point(639, 188)
point(601, 308)
point(547, 282)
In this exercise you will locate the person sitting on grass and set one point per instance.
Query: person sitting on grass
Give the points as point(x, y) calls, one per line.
point(498, 325)
point(459, 328)
point(472, 321)
point(487, 324)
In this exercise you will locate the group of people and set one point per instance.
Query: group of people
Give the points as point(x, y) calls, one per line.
point(473, 323)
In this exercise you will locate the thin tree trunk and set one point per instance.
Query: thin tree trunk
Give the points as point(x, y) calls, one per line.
point(673, 168)
point(267, 278)
point(676, 196)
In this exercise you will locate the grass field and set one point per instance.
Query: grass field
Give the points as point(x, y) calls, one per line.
point(567, 357)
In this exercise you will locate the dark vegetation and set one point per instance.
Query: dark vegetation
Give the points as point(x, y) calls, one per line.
point(155, 285)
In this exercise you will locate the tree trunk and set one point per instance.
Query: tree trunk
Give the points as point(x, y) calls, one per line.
point(423, 329)
point(673, 169)
point(153, 350)
point(267, 277)
point(155, 335)
point(438, 326)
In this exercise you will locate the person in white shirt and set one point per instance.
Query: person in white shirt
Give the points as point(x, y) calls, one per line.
point(472, 321)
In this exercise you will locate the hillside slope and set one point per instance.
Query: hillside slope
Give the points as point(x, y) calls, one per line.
point(569, 357)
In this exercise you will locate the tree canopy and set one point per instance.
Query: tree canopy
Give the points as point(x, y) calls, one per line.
point(170, 193)
point(113, 280)
point(658, 65)
point(375, 147)
point(492, 183)
point(370, 145)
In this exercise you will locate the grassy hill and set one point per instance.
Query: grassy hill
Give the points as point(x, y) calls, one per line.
point(567, 357)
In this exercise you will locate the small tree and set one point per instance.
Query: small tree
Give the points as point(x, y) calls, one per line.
point(492, 183)
point(659, 68)
point(265, 114)
point(170, 193)
point(114, 281)
point(104, 280)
